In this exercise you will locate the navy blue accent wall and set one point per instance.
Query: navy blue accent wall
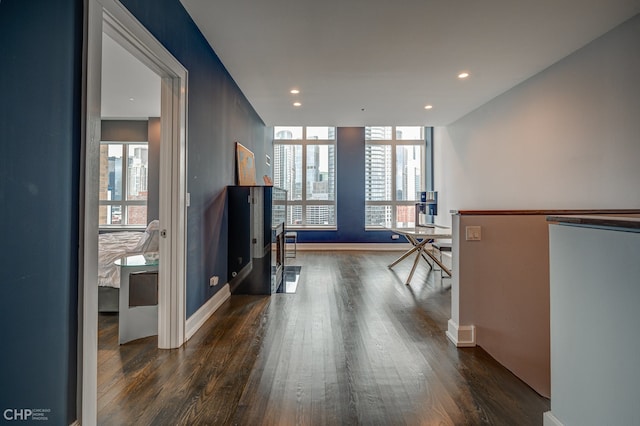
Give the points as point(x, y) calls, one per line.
point(350, 162)
point(40, 136)
point(219, 115)
point(350, 208)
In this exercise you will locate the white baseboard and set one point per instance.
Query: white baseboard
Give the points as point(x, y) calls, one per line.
point(548, 419)
point(195, 321)
point(354, 246)
point(463, 336)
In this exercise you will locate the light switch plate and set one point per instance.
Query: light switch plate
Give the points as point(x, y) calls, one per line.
point(473, 233)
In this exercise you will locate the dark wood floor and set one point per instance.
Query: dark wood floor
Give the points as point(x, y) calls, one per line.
point(353, 345)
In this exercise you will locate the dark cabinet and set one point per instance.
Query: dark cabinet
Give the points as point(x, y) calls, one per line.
point(256, 218)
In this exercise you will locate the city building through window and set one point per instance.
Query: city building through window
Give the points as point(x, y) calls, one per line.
point(394, 174)
point(123, 183)
point(304, 165)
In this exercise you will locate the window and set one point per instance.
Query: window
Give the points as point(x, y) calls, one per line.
point(123, 183)
point(394, 174)
point(304, 165)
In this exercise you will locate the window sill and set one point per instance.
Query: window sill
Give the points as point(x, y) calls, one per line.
point(311, 228)
point(121, 228)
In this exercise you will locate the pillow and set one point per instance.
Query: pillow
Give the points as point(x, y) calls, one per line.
point(149, 240)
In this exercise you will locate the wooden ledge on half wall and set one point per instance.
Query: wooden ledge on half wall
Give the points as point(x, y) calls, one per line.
point(620, 222)
point(607, 212)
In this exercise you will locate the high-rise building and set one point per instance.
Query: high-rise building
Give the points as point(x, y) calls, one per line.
point(378, 184)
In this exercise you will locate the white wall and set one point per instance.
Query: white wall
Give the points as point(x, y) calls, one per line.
point(595, 294)
point(568, 138)
point(441, 181)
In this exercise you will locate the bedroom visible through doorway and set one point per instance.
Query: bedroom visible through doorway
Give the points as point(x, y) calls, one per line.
point(113, 19)
point(128, 174)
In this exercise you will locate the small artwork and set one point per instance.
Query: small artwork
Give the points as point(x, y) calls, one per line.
point(246, 165)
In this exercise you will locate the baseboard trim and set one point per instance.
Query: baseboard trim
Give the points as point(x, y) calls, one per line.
point(196, 320)
point(354, 246)
point(463, 336)
point(548, 419)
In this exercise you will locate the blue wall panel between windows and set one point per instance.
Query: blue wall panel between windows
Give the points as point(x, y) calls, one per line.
point(40, 137)
point(219, 115)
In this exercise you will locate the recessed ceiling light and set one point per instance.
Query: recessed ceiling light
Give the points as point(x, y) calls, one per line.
point(463, 75)
point(131, 99)
point(297, 104)
point(294, 91)
point(428, 106)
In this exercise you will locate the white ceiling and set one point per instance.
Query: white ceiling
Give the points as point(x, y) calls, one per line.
point(379, 62)
point(371, 62)
point(130, 90)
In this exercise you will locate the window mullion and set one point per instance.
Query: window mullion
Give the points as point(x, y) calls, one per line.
point(304, 178)
point(394, 159)
point(125, 187)
point(303, 191)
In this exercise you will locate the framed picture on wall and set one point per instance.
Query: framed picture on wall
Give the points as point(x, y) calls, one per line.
point(245, 165)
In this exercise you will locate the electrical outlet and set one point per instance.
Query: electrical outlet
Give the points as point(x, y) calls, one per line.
point(473, 233)
point(213, 281)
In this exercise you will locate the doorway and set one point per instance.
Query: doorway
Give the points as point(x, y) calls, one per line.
point(113, 19)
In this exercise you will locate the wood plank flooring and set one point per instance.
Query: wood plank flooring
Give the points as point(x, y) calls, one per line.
point(352, 346)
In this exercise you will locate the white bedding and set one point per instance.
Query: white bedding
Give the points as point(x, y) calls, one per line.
point(111, 247)
point(114, 245)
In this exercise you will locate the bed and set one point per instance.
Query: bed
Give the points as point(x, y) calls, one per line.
point(113, 246)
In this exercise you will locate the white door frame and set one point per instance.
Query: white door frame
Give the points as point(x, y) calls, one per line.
point(113, 18)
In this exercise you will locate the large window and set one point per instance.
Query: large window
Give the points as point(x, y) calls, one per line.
point(304, 165)
point(123, 183)
point(394, 174)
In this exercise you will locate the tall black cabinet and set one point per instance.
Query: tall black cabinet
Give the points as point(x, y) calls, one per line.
point(256, 238)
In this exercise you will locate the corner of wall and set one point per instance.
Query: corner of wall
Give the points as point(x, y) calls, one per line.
point(463, 336)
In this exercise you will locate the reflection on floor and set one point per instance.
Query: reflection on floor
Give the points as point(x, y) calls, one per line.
point(290, 279)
